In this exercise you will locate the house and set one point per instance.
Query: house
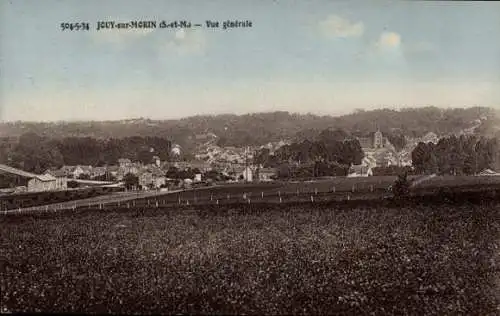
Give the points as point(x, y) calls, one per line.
point(201, 165)
point(123, 162)
point(67, 170)
point(132, 168)
point(430, 137)
point(369, 161)
point(146, 180)
point(360, 171)
point(188, 182)
point(47, 182)
point(113, 170)
point(60, 177)
point(151, 177)
point(197, 177)
point(488, 172)
point(245, 174)
point(98, 172)
point(266, 174)
point(81, 170)
point(157, 161)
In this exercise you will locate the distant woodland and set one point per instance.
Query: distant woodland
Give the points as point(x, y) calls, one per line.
point(261, 128)
point(38, 146)
point(35, 153)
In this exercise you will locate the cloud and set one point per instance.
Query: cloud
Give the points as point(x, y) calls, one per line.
point(187, 41)
point(389, 40)
point(336, 26)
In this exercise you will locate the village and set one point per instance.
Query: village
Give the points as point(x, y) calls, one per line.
point(211, 163)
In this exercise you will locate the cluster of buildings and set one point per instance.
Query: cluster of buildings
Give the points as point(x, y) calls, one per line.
point(214, 154)
point(232, 162)
point(379, 152)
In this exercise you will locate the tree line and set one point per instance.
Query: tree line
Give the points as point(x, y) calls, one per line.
point(35, 153)
point(330, 154)
point(463, 155)
point(261, 128)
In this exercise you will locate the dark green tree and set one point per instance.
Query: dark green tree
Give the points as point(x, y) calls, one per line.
point(131, 181)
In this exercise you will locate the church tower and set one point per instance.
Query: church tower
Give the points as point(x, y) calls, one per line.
point(378, 139)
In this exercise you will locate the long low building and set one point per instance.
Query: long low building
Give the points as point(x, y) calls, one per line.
point(37, 182)
point(47, 182)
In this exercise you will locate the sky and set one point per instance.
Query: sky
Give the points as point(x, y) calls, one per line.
point(321, 57)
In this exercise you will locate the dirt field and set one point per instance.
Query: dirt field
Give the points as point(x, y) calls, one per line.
point(419, 260)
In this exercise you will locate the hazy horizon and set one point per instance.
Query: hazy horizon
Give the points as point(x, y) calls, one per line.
point(319, 57)
point(352, 112)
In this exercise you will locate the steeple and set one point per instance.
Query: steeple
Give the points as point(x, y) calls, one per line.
point(378, 139)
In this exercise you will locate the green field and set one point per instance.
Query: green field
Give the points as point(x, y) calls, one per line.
point(280, 260)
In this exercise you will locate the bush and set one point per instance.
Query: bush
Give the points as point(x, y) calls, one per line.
point(72, 184)
point(401, 187)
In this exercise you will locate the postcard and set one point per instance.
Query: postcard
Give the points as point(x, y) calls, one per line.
point(250, 157)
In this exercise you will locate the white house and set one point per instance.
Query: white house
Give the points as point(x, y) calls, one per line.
point(246, 174)
point(266, 174)
point(360, 171)
point(47, 182)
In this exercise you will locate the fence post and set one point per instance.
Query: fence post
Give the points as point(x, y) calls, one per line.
point(312, 198)
point(228, 196)
point(280, 199)
point(279, 193)
point(353, 187)
point(262, 194)
point(211, 197)
point(217, 202)
point(316, 191)
point(348, 197)
point(128, 205)
point(333, 189)
point(157, 204)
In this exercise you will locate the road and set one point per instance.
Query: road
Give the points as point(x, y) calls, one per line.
point(102, 200)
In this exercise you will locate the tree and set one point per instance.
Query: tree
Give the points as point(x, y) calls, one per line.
point(401, 187)
point(84, 176)
point(423, 158)
point(131, 181)
point(398, 141)
point(328, 136)
point(283, 171)
point(352, 153)
point(261, 157)
point(72, 184)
